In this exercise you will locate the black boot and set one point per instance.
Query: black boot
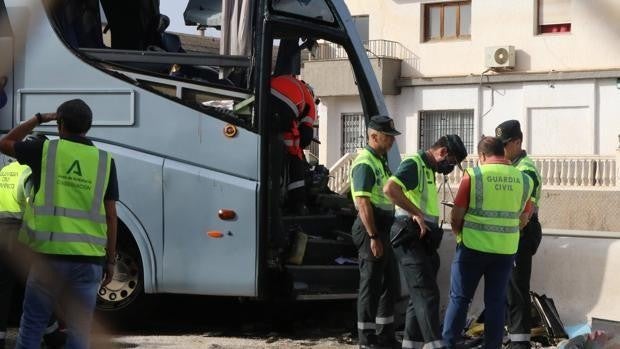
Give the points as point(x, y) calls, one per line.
point(55, 340)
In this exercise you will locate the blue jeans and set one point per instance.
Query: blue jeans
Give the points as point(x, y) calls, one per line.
point(468, 267)
point(74, 285)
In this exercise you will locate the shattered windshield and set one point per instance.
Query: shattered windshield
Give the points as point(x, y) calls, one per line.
point(315, 9)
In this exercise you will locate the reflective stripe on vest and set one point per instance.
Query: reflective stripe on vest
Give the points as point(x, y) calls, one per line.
point(377, 198)
point(12, 196)
point(67, 215)
point(526, 164)
point(497, 196)
point(424, 196)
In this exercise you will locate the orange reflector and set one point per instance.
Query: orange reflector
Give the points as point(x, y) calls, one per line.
point(215, 234)
point(226, 214)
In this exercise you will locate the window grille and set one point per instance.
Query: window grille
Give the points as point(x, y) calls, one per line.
point(353, 132)
point(437, 123)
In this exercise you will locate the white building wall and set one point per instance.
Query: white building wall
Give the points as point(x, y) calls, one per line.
point(495, 23)
point(330, 125)
point(609, 115)
point(559, 118)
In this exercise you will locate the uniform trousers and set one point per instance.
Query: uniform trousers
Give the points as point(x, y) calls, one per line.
point(419, 265)
point(519, 302)
point(378, 284)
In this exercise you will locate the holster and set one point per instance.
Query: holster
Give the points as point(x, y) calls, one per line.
point(406, 232)
point(434, 235)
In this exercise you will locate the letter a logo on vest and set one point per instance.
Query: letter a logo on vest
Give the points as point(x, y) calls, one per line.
point(75, 168)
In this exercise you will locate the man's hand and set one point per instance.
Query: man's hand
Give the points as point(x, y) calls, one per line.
point(47, 117)
point(108, 273)
point(423, 227)
point(376, 247)
point(524, 219)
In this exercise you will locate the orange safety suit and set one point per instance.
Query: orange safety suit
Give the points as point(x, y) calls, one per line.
point(299, 98)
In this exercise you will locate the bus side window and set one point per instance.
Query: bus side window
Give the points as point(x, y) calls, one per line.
point(79, 22)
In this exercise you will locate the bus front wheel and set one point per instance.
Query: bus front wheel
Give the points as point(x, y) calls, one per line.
point(127, 283)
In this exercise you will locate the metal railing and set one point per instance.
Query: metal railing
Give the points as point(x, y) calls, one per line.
point(375, 48)
point(559, 172)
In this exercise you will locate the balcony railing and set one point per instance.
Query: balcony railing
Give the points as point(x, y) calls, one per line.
point(592, 172)
point(374, 48)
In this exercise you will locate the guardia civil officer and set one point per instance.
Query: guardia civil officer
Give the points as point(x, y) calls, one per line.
point(416, 235)
point(12, 199)
point(486, 216)
point(378, 271)
point(519, 303)
point(70, 223)
point(14, 190)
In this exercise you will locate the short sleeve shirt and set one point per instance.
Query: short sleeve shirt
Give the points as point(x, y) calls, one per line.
point(363, 176)
point(407, 173)
point(31, 153)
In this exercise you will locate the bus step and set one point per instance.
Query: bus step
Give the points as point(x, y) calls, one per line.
point(324, 281)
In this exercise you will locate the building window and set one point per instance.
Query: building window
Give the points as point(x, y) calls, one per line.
point(437, 123)
point(553, 16)
point(353, 132)
point(447, 20)
point(363, 27)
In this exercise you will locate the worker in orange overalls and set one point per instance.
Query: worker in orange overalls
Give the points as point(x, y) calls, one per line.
point(294, 104)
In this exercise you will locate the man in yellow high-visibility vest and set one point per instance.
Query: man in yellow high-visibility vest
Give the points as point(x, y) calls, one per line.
point(70, 223)
point(519, 303)
point(378, 270)
point(12, 200)
point(416, 235)
point(15, 187)
point(488, 208)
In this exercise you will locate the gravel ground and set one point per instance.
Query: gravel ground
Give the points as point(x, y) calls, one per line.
point(165, 321)
point(211, 341)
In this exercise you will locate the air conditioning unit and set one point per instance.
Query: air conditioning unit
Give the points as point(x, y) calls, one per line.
point(500, 57)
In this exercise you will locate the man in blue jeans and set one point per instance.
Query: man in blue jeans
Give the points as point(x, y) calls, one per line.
point(70, 223)
point(489, 208)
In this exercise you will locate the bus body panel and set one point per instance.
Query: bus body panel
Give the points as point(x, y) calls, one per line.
point(143, 130)
point(194, 262)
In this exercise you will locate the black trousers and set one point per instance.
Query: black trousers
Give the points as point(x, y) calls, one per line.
point(519, 302)
point(8, 236)
point(296, 186)
point(378, 285)
point(420, 264)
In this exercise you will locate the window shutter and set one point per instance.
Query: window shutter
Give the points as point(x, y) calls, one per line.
point(553, 12)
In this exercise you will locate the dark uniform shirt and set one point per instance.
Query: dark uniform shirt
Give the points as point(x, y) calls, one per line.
point(363, 176)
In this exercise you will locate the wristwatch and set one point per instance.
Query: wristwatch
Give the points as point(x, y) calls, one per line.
point(373, 237)
point(39, 118)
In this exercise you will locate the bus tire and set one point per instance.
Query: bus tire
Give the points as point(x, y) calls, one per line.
point(126, 289)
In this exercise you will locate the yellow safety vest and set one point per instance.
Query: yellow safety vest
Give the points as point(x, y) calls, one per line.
point(498, 194)
point(12, 192)
point(67, 215)
point(424, 196)
point(377, 198)
point(526, 164)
